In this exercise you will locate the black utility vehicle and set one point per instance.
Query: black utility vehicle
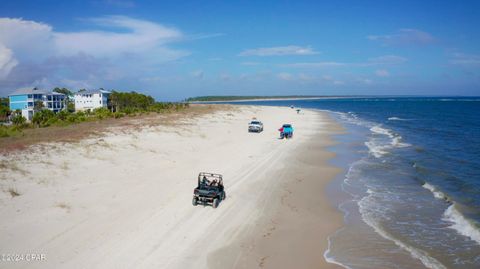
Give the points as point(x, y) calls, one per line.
point(209, 190)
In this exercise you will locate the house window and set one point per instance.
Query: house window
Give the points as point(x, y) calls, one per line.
point(29, 96)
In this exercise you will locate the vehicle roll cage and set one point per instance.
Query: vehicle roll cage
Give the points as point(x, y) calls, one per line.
point(210, 177)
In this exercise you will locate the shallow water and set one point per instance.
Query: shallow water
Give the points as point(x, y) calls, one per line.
point(412, 190)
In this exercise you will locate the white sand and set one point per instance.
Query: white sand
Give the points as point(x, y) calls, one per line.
point(124, 200)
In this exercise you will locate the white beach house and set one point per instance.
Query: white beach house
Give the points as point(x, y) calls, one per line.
point(91, 99)
point(24, 99)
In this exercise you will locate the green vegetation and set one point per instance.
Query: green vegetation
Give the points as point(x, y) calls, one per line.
point(121, 101)
point(6, 131)
point(215, 98)
point(18, 123)
point(132, 103)
point(4, 109)
point(65, 91)
point(121, 104)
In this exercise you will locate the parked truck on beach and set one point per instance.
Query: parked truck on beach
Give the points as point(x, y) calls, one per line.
point(255, 126)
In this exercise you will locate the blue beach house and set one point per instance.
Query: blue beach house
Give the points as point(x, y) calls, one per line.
point(24, 100)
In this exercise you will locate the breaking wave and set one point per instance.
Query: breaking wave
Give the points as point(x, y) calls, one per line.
point(367, 208)
point(380, 147)
point(436, 193)
point(461, 224)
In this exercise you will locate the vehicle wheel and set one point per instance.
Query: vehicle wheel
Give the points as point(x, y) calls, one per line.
point(194, 201)
point(224, 195)
point(215, 203)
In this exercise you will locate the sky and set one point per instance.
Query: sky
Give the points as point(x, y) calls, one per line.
point(178, 49)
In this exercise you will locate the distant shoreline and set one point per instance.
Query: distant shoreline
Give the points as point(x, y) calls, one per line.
point(273, 99)
point(232, 99)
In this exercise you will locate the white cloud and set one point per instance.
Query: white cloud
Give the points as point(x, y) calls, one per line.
point(225, 77)
point(120, 48)
point(404, 37)
point(387, 60)
point(285, 76)
point(465, 59)
point(332, 80)
point(304, 77)
point(140, 36)
point(7, 61)
point(120, 3)
point(367, 81)
point(136, 36)
point(382, 73)
point(381, 60)
point(198, 74)
point(27, 39)
point(314, 64)
point(251, 63)
point(279, 51)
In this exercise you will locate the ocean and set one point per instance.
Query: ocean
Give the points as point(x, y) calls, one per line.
point(411, 187)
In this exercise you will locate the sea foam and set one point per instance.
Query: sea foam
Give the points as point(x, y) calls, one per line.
point(366, 206)
point(436, 193)
point(396, 118)
point(461, 224)
point(379, 148)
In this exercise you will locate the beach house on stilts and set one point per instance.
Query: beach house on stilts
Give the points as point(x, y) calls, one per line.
point(27, 100)
point(91, 99)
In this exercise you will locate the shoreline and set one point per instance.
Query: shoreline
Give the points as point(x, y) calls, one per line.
point(127, 195)
point(272, 99)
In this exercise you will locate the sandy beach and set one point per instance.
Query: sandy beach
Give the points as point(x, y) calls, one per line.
point(123, 199)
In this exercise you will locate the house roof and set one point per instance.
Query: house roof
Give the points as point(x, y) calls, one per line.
point(28, 90)
point(92, 92)
point(33, 90)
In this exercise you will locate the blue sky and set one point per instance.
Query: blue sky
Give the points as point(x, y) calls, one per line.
point(178, 49)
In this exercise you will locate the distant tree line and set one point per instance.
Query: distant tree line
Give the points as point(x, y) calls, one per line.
point(120, 104)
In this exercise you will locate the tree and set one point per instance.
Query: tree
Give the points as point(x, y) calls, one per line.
point(19, 120)
point(121, 101)
point(4, 109)
point(65, 91)
point(38, 105)
point(43, 118)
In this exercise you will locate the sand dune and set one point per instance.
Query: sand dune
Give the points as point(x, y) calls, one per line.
point(123, 200)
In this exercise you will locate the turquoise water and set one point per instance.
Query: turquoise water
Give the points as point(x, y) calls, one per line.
point(413, 183)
